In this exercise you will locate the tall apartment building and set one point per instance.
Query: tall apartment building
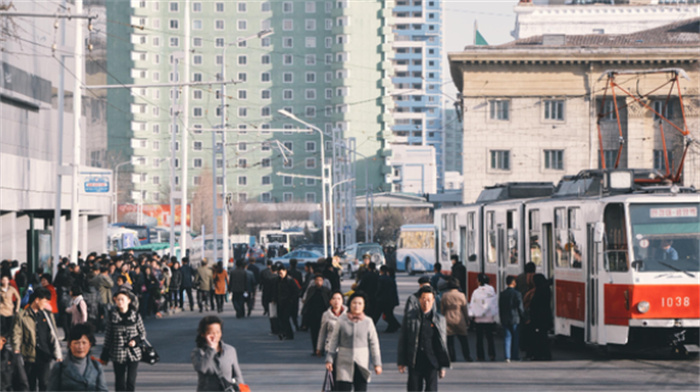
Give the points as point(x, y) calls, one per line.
point(417, 26)
point(327, 62)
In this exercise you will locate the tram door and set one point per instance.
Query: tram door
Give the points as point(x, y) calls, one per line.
point(502, 259)
point(548, 251)
point(593, 250)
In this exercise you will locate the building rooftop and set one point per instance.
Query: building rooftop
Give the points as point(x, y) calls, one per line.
point(679, 34)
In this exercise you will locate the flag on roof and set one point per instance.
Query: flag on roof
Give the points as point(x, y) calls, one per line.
point(479, 39)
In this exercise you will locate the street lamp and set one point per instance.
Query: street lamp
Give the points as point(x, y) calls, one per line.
point(368, 228)
point(324, 177)
point(116, 192)
point(333, 215)
point(224, 208)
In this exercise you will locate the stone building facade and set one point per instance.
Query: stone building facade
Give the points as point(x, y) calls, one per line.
point(531, 106)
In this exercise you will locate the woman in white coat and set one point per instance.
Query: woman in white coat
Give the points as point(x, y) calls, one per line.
point(354, 341)
point(483, 308)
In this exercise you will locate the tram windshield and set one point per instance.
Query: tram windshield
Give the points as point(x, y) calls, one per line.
point(666, 237)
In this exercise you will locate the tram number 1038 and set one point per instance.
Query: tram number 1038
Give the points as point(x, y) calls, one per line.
point(675, 302)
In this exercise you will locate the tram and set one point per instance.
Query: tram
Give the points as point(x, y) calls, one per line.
point(623, 258)
point(464, 231)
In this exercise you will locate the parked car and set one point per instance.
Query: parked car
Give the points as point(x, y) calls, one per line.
point(256, 253)
point(351, 258)
point(303, 256)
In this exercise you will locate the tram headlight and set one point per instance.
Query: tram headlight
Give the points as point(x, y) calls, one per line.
point(643, 307)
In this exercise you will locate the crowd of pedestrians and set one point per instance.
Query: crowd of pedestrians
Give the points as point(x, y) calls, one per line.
point(113, 295)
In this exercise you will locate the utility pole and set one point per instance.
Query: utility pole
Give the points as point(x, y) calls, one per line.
point(77, 135)
point(175, 112)
point(185, 133)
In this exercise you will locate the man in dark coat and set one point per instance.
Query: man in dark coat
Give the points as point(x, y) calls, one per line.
point(296, 274)
point(511, 310)
point(369, 284)
point(238, 282)
point(332, 274)
point(187, 279)
point(286, 298)
point(459, 271)
point(387, 298)
point(316, 302)
point(423, 344)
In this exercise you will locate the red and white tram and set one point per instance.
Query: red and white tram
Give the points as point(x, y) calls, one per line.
point(623, 259)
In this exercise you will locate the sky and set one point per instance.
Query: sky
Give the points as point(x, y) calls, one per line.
point(496, 21)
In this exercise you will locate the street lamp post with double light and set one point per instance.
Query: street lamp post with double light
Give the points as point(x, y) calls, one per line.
point(324, 177)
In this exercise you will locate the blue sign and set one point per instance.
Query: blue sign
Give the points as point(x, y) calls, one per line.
point(96, 184)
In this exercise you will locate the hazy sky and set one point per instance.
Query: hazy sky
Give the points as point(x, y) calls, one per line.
point(495, 18)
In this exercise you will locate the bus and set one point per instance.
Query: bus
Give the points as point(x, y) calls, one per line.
point(416, 250)
point(287, 238)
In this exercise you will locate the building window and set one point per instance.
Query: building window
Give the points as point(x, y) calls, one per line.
point(310, 163)
point(197, 146)
point(660, 161)
point(265, 77)
point(242, 112)
point(287, 181)
point(174, 42)
point(265, 94)
point(266, 180)
point(554, 159)
point(242, 25)
point(196, 180)
point(242, 146)
point(197, 7)
point(287, 197)
point(310, 94)
point(287, 7)
point(311, 77)
point(499, 110)
point(265, 162)
point(242, 163)
point(220, 6)
point(197, 163)
point(219, 42)
point(310, 59)
point(219, 24)
point(174, 7)
point(288, 24)
point(287, 42)
point(310, 146)
point(288, 95)
point(288, 59)
point(265, 7)
point(310, 111)
point(310, 24)
point(242, 94)
point(288, 163)
point(310, 42)
point(175, 24)
point(310, 182)
point(197, 59)
point(500, 159)
point(310, 7)
point(197, 112)
point(266, 112)
point(242, 60)
point(265, 59)
point(265, 197)
point(242, 76)
point(242, 180)
point(196, 42)
point(554, 109)
point(311, 198)
point(664, 108)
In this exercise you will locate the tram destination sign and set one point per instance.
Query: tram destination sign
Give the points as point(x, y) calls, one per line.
point(673, 212)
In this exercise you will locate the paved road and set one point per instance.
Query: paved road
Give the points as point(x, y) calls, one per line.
point(272, 365)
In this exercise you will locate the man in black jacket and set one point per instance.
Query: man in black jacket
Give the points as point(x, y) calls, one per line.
point(370, 284)
point(511, 310)
point(315, 303)
point(286, 298)
point(459, 271)
point(423, 344)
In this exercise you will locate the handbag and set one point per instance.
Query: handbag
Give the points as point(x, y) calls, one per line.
point(148, 353)
point(328, 382)
point(232, 386)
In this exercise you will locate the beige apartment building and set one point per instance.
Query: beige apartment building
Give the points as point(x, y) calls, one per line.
point(531, 106)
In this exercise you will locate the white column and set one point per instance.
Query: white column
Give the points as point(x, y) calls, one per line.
point(77, 142)
point(185, 131)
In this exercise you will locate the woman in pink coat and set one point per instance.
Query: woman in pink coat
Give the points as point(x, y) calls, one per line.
point(78, 307)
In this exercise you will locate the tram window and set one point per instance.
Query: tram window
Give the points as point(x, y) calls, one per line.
point(534, 228)
point(471, 235)
point(573, 218)
point(444, 222)
point(491, 238)
point(615, 238)
point(512, 237)
point(561, 257)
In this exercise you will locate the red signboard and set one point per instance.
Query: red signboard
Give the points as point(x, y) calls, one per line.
point(159, 211)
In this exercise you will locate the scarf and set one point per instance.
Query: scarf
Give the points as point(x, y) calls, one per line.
point(356, 318)
point(342, 309)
